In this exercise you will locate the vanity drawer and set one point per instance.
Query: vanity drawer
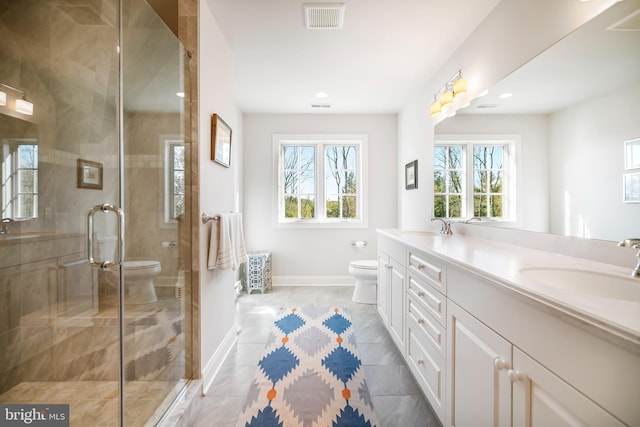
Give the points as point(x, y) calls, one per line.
point(433, 301)
point(432, 330)
point(427, 366)
point(428, 268)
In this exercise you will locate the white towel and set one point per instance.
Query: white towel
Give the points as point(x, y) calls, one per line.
point(239, 250)
point(226, 246)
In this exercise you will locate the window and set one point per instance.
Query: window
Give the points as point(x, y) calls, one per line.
point(174, 188)
point(20, 179)
point(474, 178)
point(320, 180)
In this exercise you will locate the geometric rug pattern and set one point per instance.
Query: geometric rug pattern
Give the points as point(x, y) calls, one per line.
point(310, 375)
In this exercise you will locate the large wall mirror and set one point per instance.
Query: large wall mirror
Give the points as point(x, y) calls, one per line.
point(573, 113)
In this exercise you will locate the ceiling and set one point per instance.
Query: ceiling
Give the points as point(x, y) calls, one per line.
point(384, 52)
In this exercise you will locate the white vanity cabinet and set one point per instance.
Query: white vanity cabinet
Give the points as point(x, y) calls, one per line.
point(479, 391)
point(392, 293)
point(486, 353)
point(510, 359)
point(494, 382)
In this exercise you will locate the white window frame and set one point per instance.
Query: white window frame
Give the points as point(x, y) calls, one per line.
point(320, 141)
point(168, 142)
point(9, 179)
point(511, 166)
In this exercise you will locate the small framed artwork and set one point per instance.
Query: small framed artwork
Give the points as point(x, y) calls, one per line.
point(89, 174)
point(632, 154)
point(411, 175)
point(632, 187)
point(220, 141)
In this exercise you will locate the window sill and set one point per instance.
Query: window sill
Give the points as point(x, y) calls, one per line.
point(308, 224)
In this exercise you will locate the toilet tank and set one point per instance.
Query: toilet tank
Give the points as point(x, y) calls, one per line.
point(104, 248)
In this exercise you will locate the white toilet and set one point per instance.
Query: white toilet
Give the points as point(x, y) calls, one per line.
point(138, 275)
point(366, 274)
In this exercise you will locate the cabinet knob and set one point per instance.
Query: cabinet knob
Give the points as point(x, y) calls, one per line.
point(500, 364)
point(515, 376)
point(420, 362)
point(420, 293)
point(421, 321)
point(420, 266)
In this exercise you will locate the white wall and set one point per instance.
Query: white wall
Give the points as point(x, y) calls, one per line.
point(514, 32)
point(320, 256)
point(587, 164)
point(532, 205)
point(220, 188)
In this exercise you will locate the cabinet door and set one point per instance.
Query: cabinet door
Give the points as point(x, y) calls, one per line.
point(542, 399)
point(479, 394)
point(396, 303)
point(383, 288)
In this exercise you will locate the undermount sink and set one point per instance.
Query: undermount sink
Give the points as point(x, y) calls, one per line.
point(594, 283)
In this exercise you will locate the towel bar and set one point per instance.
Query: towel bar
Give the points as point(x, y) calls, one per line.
point(206, 218)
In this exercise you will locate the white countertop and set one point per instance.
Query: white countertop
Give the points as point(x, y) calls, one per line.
point(502, 263)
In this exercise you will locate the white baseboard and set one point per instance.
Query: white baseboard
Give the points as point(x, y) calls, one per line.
point(217, 359)
point(313, 281)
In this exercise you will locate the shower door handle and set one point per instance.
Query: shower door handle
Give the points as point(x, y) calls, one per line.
point(106, 264)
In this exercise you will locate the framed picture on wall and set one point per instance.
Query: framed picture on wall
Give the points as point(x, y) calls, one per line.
point(89, 174)
point(220, 141)
point(411, 175)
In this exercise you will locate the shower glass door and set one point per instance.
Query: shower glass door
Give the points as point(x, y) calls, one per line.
point(156, 155)
point(91, 121)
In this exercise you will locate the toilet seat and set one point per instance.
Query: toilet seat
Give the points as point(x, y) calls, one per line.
point(364, 264)
point(140, 265)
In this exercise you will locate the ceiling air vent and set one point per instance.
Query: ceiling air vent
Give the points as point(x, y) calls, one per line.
point(487, 106)
point(630, 23)
point(324, 16)
point(320, 105)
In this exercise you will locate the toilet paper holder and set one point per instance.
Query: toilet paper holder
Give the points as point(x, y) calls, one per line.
point(359, 243)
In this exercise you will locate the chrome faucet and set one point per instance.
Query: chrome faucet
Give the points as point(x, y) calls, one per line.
point(5, 225)
point(446, 226)
point(633, 243)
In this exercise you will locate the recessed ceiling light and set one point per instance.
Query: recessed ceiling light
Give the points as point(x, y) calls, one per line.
point(321, 95)
point(180, 94)
point(505, 95)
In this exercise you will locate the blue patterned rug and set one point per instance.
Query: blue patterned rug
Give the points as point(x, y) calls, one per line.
point(310, 375)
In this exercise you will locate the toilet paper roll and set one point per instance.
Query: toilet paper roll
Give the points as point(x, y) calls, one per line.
point(359, 244)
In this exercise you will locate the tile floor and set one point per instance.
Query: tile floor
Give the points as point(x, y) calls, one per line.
point(396, 397)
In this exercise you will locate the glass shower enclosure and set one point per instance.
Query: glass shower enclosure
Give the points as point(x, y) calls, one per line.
point(95, 307)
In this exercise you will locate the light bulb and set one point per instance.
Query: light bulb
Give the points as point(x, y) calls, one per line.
point(3, 98)
point(23, 106)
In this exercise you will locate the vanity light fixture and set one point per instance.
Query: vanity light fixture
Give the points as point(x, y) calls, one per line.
point(454, 89)
point(21, 105)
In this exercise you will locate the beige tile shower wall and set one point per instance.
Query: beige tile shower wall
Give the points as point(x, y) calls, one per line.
point(63, 55)
point(144, 168)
